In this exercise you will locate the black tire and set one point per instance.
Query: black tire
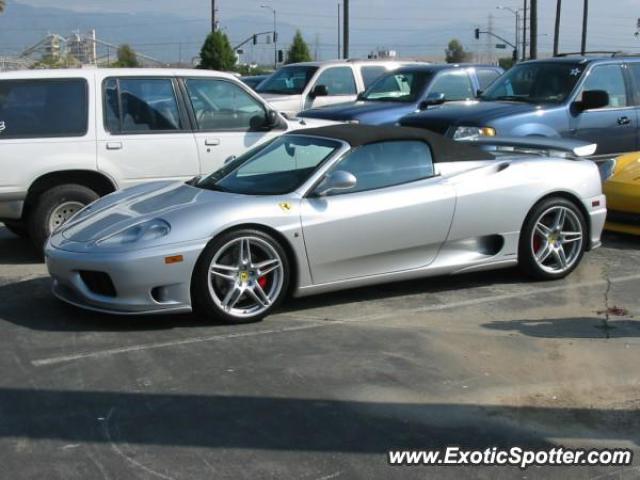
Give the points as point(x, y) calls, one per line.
point(526, 256)
point(201, 298)
point(47, 202)
point(17, 228)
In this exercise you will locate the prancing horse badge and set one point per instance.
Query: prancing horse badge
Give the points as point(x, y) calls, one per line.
point(285, 206)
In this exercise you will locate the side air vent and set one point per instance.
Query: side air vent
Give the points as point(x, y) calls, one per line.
point(502, 166)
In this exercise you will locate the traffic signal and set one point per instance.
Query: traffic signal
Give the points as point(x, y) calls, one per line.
point(275, 37)
point(255, 39)
point(280, 56)
point(477, 33)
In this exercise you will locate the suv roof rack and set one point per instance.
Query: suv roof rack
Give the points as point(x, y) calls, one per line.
point(613, 53)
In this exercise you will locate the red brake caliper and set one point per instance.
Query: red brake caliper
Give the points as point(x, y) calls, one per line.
point(536, 243)
point(262, 281)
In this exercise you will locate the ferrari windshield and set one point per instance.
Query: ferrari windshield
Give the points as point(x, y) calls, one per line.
point(539, 82)
point(277, 168)
point(398, 87)
point(287, 80)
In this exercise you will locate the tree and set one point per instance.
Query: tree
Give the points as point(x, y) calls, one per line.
point(299, 50)
point(126, 57)
point(2, 5)
point(506, 62)
point(455, 52)
point(216, 53)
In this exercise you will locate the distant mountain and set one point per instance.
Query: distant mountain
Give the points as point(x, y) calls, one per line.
point(171, 37)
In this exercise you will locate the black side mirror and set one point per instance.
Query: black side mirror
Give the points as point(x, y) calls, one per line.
point(434, 98)
point(272, 118)
point(268, 120)
point(593, 99)
point(319, 91)
point(479, 92)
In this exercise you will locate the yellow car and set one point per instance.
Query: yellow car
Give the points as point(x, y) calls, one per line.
point(622, 189)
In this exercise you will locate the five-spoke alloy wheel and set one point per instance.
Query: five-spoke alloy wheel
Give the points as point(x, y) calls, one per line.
point(241, 277)
point(553, 239)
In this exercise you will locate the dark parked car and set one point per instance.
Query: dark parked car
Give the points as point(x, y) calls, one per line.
point(410, 89)
point(581, 98)
point(253, 81)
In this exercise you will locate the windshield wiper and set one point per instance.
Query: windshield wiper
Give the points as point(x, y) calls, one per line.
point(509, 98)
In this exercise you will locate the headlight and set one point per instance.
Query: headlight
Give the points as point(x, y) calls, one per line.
point(468, 133)
point(141, 232)
point(607, 168)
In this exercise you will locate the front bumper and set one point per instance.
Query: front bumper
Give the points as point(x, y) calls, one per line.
point(143, 282)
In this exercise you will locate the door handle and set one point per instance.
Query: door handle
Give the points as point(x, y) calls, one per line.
point(114, 145)
point(624, 121)
point(211, 142)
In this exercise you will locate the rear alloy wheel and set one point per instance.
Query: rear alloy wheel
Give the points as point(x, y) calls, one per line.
point(553, 239)
point(241, 277)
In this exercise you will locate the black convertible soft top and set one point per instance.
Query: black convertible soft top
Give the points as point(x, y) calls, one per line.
point(443, 149)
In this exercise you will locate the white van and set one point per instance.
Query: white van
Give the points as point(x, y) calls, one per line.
point(70, 136)
point(299, 86)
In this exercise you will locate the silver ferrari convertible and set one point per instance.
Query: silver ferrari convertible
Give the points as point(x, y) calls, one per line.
point(326, 209)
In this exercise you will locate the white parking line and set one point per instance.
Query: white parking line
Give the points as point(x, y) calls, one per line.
point(322, 323)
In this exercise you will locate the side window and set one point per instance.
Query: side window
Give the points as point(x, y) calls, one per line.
point(221, 105)
point(486, 76)
point(140, 105)
point(338, 80)
point(455, 85)
point(610, 79)
point(385, 164)
point(43, 108)
point(371, 74)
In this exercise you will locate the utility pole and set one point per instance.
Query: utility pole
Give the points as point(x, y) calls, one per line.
point(213, 15)
point(275, 36)
point(524, 32)
point(534, 30)
point(585, 18)
point(345, 34)
point(339, 50)
point(556, 32)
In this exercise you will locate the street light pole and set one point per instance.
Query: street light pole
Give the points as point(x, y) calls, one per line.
point(517, 15)
point(585, 19)
point(339, 51)
point(524, 32)
point(275, 36)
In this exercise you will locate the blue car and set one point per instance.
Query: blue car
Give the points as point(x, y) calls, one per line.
point(410, 89)
point(595, 99)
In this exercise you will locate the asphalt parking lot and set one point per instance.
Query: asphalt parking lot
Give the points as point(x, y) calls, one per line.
point(325, 387)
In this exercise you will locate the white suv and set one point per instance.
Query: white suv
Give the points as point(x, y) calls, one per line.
point(70, 136)
point(300, 86)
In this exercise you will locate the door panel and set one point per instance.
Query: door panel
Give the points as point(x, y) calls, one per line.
point(378, 231)
point(225, 116)
point(614, 127)
point(144, 137)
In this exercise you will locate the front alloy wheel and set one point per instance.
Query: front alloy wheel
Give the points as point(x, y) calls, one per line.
point(241, 277)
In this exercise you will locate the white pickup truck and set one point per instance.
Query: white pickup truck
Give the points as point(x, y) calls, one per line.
point(70, 136)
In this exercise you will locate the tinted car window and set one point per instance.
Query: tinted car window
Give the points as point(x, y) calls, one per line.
point(338, 80)
point(634, 68)
point(371, 74)
point(486, 77)
point(404, 86)
point(221, 105)
point(456, 85)
point(385, 164)
point(43, 108)
point(538, 82)
point(288, 80)
point(610, 79)
point(145, 105)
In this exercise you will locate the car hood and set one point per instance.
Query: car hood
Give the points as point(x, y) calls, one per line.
point(193, 213)
point(354, 110)
point(473, 113)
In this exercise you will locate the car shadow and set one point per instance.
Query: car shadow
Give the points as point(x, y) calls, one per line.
point(621, 241)
point(15, 250)
point(578, 327)
point(296, 424)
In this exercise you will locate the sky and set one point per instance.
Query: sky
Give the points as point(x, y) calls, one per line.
point(409, 26)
